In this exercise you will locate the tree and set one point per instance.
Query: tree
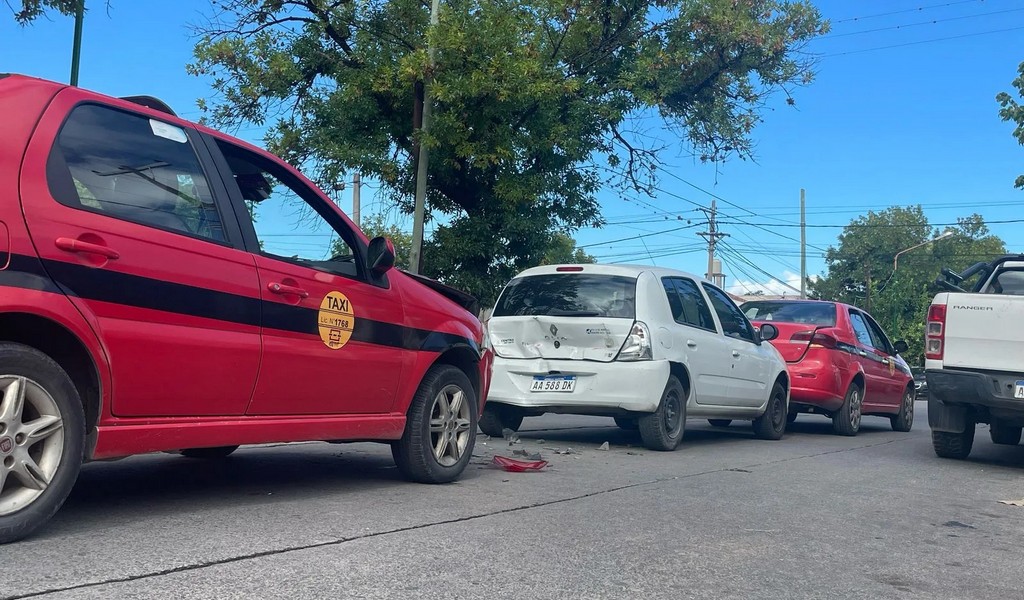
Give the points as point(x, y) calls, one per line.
point(30, 10)
point(533, 102)
point(1013, 111)
point(562, 250)
point(860, 269)
point(375, 226)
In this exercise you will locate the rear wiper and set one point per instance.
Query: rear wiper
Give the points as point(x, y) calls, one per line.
point(573, 313)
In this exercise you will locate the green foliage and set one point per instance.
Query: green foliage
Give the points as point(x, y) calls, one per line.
point(1013, 111)
point(30, 10)
point(530, 98)
point(562, 250)
point(375, 226)
point(860, 268)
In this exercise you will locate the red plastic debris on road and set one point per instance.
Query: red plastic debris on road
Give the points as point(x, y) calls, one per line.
point(519, 466)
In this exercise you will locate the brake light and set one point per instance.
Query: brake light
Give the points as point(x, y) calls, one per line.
point(637, 345)
point(816, 338)
point(935, 332)
point(569, 269)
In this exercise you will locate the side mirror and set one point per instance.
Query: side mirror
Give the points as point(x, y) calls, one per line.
point(769, 332)
point(380, 255)
point(901, 347)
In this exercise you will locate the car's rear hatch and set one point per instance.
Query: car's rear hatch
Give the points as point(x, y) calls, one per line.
point(568, 316)
point(801, 324)
point(984, 331)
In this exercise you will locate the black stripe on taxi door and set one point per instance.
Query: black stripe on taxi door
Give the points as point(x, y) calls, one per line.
point(143, 292)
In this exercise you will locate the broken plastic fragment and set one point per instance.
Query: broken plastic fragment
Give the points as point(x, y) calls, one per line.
point(603, 446)
point(1013, 502)
point(518, 466)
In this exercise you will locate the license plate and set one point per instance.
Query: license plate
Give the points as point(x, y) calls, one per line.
point(1018, 390)
point(555, 383)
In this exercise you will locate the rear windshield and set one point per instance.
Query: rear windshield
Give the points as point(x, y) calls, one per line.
point(1007, 283)
point(569, 294)
point(810, 313)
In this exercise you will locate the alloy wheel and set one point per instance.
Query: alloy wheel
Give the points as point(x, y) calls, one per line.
point(31, 442)
point(450, 425)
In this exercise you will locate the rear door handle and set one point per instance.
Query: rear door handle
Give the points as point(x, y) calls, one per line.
point(78, 246)
point(735, 353)
point(691, 344)
point(282, 289)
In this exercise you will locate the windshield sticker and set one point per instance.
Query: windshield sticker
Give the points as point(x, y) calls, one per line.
point(336, 320)
point(167, 131)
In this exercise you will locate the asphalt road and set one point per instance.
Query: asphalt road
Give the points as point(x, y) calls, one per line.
point(725, 516)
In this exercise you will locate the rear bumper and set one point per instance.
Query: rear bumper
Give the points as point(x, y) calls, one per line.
point(958, 397)
point(817, 382)
point(601, 388)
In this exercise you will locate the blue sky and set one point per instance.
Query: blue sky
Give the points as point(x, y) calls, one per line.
point(905, 114)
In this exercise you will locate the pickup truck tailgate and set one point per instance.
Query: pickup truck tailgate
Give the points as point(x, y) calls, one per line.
point(984, 331)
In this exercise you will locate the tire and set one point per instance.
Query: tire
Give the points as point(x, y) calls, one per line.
point(46, 392)
point(420, 454)
point(953, 445)
point(904, 420)
point(627, 423)
point(720, 422)
point(846, 420)
point(1005, 435)
point(498, 417)
point(663, 429)
point(209, 453)
point(772, 424)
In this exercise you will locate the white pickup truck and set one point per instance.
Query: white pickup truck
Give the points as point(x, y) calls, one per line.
point(974, 356)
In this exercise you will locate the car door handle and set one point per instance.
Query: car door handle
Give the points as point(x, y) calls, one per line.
point(73, 245)
point(735, 353)
point(691, 344)
point(282, 289)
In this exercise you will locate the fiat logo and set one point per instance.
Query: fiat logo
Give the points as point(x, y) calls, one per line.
point(6, 445)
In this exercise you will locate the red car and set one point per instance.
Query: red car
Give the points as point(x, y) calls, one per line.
point(169, 288)
point(840, 361)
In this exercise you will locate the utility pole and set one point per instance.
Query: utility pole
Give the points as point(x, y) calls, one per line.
point(803, 248)
point(415, 256)
point(712, 235)
point(76, 48)
point(355, 198)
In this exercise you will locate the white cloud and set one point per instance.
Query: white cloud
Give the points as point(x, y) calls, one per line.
point(743, 287)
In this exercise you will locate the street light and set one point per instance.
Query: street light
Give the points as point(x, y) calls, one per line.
point(943, 235)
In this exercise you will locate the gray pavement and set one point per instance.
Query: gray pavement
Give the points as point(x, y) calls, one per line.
point(725, 516)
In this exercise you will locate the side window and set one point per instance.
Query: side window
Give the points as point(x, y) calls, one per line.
point(860, 328)
point(878, 337)
point(291, 221)
point(673, 300)
point(694, 308)
point(733, 322)
point(133, 168)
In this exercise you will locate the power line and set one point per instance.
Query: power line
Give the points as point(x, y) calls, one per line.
point(942, 39)
point(739, 256)
point(638, 236)
point(919, 23)
point(906, 10)
point(867, 226)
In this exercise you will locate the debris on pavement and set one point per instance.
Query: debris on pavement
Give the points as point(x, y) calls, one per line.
point(1013, 502)
point(603, 446)
point(561, 451)
point(529, 455)
point(511, 436)
point(518, 466)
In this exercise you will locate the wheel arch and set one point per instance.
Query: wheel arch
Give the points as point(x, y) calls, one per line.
point(466, 359)
point(683, 375)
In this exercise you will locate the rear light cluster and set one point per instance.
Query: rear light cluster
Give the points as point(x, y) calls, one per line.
point(638, 344)
point(816, 338)
point(935, 332)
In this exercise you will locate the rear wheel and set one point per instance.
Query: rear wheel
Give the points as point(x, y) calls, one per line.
point(791, 418)
point(772, 424)
point(663, 429)
point(498, 417)
point(953, 445)
point(42, 436)
point(904, 421)
point(720, 422)
point(627, 423)
point(440, 429)
point(209, 453)
point(846, 420)
point(1006, 435)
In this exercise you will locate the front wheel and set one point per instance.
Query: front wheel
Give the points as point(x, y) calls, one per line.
point(42, 436)
point(772, 424)
point(499, 417)
point(627, 423)
point(663, 429)
point(904, 421)
point(1005, 435)
point(440, 428)
point(720, 422)
point(953, 445)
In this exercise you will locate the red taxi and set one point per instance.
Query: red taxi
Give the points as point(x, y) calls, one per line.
point(840, 362)
point(169, 288)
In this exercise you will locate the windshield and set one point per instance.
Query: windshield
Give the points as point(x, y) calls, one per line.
point(810, 313)
point(571, 295)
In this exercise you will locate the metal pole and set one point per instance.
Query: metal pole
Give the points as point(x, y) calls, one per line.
point(415, 256)
point(355, 198)
point(712, 237)
point(76, 48)
point(803, 247)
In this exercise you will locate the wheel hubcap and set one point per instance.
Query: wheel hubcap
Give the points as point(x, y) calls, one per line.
point(855, 409)
point(908, 403)
point(778, 414)
point(450, 425)
point(673, 413)
point(31, 444)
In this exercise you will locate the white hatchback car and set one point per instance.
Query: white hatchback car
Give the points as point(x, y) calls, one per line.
point(645, 345)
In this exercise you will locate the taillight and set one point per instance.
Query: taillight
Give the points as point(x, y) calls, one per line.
point(638, 344)
point(816, 338)
point(935, 332)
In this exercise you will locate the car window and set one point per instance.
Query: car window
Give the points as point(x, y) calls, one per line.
point(133, 168)
point(693, 308)
point(1008, 283)
point(673, 300)
point(860, 328)
point(569, 294)
point(878, 338)
point(810, 313)
point(290, 220)
point(734, 324)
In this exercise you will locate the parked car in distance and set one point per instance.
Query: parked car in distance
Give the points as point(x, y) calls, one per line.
point(647, 346)
point(841, 362)
point(920, 382)
point(154, 299)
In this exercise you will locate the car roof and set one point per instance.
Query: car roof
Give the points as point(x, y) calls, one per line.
point(603, 269)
